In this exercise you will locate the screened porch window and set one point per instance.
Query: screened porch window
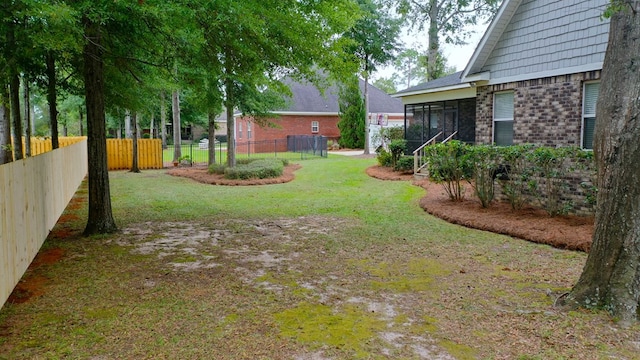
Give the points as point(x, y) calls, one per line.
point(503, 118)
point(591, 91)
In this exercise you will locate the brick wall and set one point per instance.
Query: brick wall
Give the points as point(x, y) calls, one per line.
point(547, 111)
point(297, 125)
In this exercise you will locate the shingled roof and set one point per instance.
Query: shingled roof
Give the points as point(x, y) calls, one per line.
point(306, 98)
point(449, 80)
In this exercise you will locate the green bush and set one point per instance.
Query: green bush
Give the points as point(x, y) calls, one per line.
point(383, 157)
point(516, 174)
point(485, 160)
point(397, 148)
point(404, 164)
point(217, 169)
point(257, 169)
point(449, 164)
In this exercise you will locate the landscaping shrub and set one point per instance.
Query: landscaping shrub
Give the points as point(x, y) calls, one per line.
point(551, 167)
point(485, 160)
point(397, 148)
point(449, 164)
point(257, 169)
point(216, 169)
point(404, 164)
point(221, 138)
point(383, 157)
point(515, 174)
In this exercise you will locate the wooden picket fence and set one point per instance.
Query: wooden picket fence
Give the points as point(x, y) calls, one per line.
point(119, 151)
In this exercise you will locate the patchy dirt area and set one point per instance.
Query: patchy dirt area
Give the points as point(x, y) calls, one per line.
point(564, 232)
point(200, 174)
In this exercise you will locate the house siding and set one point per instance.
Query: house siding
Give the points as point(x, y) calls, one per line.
point(547, 111)
point(549, 35)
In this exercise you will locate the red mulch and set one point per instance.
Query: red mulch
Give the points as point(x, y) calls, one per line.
point(30, 285)
point(564, 232)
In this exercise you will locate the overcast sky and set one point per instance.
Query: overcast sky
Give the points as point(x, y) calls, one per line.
point(457, 56)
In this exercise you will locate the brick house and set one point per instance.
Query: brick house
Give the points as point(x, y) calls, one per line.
point(308, 112)
point(533, 78)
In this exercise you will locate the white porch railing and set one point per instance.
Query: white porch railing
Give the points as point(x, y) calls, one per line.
point(418, 154)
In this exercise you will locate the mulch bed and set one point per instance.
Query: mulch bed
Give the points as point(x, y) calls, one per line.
point(200, 174)
point(535, 225)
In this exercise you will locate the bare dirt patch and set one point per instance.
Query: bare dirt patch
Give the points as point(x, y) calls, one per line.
point(32, 285)
point(564, 232)
point(200, 174)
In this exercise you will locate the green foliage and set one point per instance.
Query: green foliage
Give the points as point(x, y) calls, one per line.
point(516, 174)
point(387, 134)
point(404, 164)
point(485, 160)
point(258, 169)
point(384, 157)
point(352, 116)
point(374, 37)
point(449, 164)
point(216, 169)
point(385, 84)
point(397, 148)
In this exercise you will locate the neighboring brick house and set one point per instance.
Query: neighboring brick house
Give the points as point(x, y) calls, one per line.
point(534, 78)
point(308, 112)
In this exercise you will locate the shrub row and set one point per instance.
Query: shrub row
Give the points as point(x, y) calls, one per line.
point(395, 157)
point(251, 169)
point(528, 174)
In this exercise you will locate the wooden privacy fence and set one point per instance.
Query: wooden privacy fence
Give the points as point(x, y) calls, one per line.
point(119, 151)
point(33, 194)
point(120, 154)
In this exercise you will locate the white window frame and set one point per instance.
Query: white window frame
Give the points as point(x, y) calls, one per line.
point(586, 115)
point(315, 127)
point(495, 119)
point(249, 130)
point(239, 130)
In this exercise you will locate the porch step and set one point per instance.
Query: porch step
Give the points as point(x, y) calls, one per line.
point(421, 176)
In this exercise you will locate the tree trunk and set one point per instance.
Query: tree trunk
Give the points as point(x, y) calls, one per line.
point(151, 127)
point(366, 111)
point(127, 126)
point(80, 116)
point(434, 41)
point(14, 94)
point(163, 120)
point(27, 118)
point(6, 155)
point(52, 96)
point(611, 276)
point(177, 139)
point(134, 136)
point(100, 218)
point(212, 138)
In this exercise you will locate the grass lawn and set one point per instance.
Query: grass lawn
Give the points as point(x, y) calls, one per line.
point(333, 265)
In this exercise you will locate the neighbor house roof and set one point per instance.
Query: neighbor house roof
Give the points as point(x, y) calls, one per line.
point(307, 99)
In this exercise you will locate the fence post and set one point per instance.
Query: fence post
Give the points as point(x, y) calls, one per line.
point(191, 152)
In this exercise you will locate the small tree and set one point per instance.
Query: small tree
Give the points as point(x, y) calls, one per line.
point(352, 114)
point(449, 165)
point(485, 161)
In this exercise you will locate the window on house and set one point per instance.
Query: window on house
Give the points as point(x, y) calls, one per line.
point(239, 130)
point(591, 91)
point(503, 118)
point(315, 126)
point(248, 130)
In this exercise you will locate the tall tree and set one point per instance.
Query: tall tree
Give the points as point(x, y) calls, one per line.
point(611, 276)
point(374, 43)
point(100, 219)
point(448, 19)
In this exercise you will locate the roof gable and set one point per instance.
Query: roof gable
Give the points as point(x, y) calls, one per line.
point(537, 38)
